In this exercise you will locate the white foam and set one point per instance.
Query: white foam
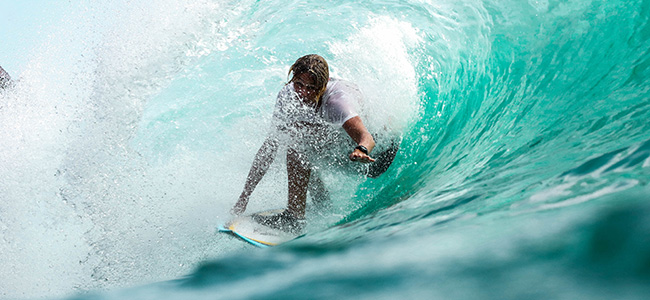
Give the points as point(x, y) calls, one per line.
point(80, 209)
point(377, 59)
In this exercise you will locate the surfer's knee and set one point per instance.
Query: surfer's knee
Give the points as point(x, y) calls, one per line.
point(297, 159)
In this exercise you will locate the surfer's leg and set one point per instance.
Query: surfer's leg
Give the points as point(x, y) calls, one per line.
point(319, 194)
point(292, 219)
point(298, 172)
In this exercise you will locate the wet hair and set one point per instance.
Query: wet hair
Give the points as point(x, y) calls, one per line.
point(316, 67)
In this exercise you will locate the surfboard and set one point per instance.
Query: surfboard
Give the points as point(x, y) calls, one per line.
point(247, 229)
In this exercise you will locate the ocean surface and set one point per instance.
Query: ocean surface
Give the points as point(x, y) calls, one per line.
point(523, 169)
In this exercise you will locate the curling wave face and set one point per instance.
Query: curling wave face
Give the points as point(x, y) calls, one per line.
point(524, 159)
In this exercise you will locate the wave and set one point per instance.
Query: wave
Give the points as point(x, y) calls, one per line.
point(123, 149)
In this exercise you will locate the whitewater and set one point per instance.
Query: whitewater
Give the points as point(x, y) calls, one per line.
point(523, 168)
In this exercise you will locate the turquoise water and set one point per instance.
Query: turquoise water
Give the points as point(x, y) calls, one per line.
point(523, 170)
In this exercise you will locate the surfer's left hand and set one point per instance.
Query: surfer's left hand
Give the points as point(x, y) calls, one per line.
point(359, 156)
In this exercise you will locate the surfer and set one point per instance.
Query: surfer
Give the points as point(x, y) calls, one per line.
point(5, 79)
point(307, 109)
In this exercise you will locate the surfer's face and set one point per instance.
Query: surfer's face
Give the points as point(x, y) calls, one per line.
point(305, 88)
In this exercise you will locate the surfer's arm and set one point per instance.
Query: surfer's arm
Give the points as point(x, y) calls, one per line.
point(358, 132)
point(261, 163)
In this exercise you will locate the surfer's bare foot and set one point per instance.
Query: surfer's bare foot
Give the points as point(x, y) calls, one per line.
point(236, 211)
point(284, 221)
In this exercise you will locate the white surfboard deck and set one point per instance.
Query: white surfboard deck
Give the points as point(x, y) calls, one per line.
point(255, 233)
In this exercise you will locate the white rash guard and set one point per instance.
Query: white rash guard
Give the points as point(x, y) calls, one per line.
point(340, 103)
